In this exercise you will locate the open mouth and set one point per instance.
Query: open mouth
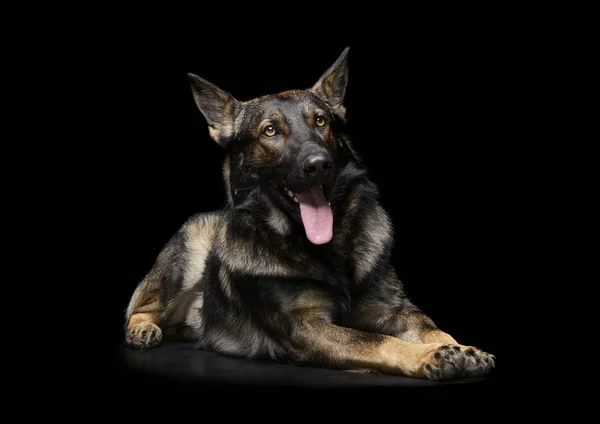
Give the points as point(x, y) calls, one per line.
point(287, 194)
point(315, 212)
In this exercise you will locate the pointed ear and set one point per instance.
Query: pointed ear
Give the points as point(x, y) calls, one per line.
point(218, 107)
point(331, 87)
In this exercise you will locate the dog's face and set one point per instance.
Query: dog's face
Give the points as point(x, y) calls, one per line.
point(284, 144)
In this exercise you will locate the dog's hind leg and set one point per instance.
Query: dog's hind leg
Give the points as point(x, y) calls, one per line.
point(147, 305)
point(163, 298)
point(142, 326)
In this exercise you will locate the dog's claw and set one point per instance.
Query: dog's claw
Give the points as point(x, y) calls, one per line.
point(144, 335)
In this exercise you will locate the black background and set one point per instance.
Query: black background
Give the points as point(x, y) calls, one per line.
point(431, 110)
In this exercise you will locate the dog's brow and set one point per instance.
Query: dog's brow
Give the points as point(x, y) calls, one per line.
point(311, 108)
point(310, 111)
point(274, 118)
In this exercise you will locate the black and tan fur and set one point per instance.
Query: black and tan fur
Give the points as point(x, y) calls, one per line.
point(247, 281)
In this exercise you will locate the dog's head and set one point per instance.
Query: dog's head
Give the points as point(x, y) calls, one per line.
point(286, 146)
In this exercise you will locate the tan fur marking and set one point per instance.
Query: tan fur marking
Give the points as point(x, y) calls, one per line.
point(438, 336)
point(227, 177)
point(149, 307)
point(217, 131)
point(330, 140)
point(225, 283)
point(409, 358)
point(151, 317)
point(311, 300)
point(193, 318)
point(326, 135)
point(374, 315)
point(353, 205)
point(224, 129)
point(313, 303)
point(278, 221)
point(143, 300)
point(201, 233)
point(411, 336)
point(356, 350)
point(143, 330)
point(349, 144)
point(266, 153)
point(327, 87)
point(378, 227)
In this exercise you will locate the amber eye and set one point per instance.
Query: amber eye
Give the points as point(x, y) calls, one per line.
point(270, 131)
point(320, 121)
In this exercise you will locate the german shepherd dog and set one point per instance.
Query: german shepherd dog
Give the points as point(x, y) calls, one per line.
point(297, 266)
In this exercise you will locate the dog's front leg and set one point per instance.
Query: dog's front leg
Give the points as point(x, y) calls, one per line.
point(396, 316)
point(319, 342)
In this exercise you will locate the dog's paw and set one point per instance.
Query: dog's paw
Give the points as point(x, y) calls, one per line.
point(452, 361)
point(144, 335)
point(477, 362)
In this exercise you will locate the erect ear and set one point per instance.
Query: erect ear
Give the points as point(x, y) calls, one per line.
point(331, 87)
point(218, 107)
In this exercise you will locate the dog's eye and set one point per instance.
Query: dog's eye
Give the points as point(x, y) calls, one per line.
point(320, 121)
point(270, 131)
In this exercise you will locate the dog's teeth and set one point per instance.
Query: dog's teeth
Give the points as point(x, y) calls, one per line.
point(295, 200)
point(289, 193)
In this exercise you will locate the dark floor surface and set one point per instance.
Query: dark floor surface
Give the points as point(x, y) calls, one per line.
point(177, 370)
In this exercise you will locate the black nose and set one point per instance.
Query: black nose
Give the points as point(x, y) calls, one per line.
point(317, 164)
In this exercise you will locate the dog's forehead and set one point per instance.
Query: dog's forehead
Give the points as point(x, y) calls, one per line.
point(290, 102)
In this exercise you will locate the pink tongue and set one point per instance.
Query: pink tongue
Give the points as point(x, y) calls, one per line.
point(316, 215)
